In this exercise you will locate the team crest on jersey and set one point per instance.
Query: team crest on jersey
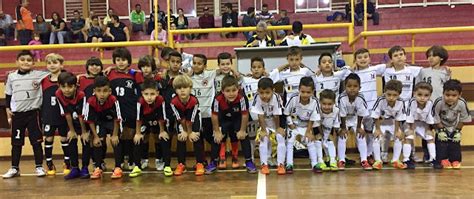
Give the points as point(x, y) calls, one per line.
point(129, 84)
point(205, 82)
point(236, 109)
point(36, 84)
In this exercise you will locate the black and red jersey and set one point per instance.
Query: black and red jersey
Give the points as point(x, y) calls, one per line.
point(86, 85)
point(167, 90)
point(50, 113)
point(102, 113)
point(230, 110)
point(73, 105)
point(125, 86)
point(187, 112)
point(151, 114)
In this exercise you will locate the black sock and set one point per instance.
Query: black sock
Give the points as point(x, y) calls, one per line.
point(86, 153)
point(48, 152)
point(104, 150)
point(158, 149)
point(65, 146)
point(166, 149)
point(145, 149)
point(137, 153)
point(73, 153)
point(118, 155)
point(38, 153)
point(98, 156)
point(16, 155)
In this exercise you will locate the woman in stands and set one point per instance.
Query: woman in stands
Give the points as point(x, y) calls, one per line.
point(116, 30)
point(58, 29)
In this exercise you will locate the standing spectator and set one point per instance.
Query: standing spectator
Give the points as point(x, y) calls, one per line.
point(162, 36)
point(95, 32)
point(58, 29)
point(261, 39)
point(77, 24)
point(108, 17)
point(161, 18)
point(249, 20)
point(229, 19)
point(43, 28)
point(359, 13)
point(206, 21)
point(6, 24)
point(283, 21)
point(116, 30)
point(24, 23)
point(137, 18)
point(297, 38)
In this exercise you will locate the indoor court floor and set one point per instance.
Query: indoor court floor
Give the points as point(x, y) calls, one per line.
point(424, 182)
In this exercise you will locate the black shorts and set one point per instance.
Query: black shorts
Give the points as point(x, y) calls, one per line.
point(129, 122)
point(49, 129)
point(171, 124)
point(26, 120)
point(230, 129)
point(147, 129)
point(105, 129)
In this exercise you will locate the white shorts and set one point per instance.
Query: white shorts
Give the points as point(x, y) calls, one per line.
point(422, 130)
point(293, 133)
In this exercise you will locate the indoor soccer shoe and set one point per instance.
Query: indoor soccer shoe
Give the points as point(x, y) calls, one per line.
point(446, 164)
point(211, 167)
point(289, 169)
point(410, 164)
point(180, 169)
point(136, 171)
point(144, 163)
point(251, 168)
point(398, 165)
point(365, 165)
point(333, 166)
point(66, 169)
point(341, 165)
point(85, 173)
point(51, 170)
point(377, 165)
point(168, 171)
point(456, 165)
point(222, 164)
point(11, 173)
point(235, 164)
point(281, 170)
point(199, 169)
point(264, 169)
point(40, 172)
point(117, 173)
point(160, 165)
point(75, 173)
point(97, 173)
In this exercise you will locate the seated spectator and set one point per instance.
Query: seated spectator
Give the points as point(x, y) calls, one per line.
point(151, 21)
point(162, 36)
point(116, 30)
point(283, 21)
point(336, 17)
point(58, 29)
point(43, 29)
point(359, 13)
point(3, 40)
point(89, 21)
point(267, 17)
point(249, 20)
point(182, 23)
point(77, 24)
point(6, 24)
point(261, 38)
point(137, 18)
point(176, 37)
point(297, 38)
point(229, 19)
point(206, 21)
point(36, 41)
point(95, 33)
point(108, 17)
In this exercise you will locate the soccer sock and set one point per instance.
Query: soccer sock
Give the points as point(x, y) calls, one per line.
point(263, 149)
point(376, 149)
point(86, 153)
point(369, 138)
point(48, 152)
point(312, 152)
point(406, 151)
point(431, 150)
point(181, 150)
point(331, 151)
point(341, 148)
point(16, 155)
point(137, 153)
point(158, 149)
point(127, 149)
point(166, 151)
point(118, 155)
point(98, 156)
point(38, 153)
point(65, 146)
point(397, 149)
point(199, 150)
point(73, 153)
point(281, 149)
point(222, 149)
point(362, 146)
point(319, 151)
point(235, 149)
point(252, 148)
point(289, 153)
point(145, 149)
point(245, 144)
point(104, 149)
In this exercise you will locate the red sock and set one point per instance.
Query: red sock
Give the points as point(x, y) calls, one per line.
point(222, 151)
point(235, 149)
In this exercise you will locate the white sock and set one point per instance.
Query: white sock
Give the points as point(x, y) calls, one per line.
point(341, 148)
point(362, 146)
point(263, 149)
point(376, 148)
point(397, 149)
point(412, 152)
point(319, 151)
point(270, 149)
point(332, 151)
point(432, 151)
point(289, 153)
point(281, 149)
point(406, 152)
point(252, 148)
point(312, 153)
point(369, 138)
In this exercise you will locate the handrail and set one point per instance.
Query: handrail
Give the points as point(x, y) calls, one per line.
point(82, 45)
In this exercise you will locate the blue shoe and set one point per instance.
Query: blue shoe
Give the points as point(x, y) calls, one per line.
point(251, 168)
point(75, 173)
point(85, 173)
point(410, 164)
point(211, 168)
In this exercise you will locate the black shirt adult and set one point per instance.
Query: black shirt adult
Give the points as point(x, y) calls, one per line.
point(230, 19)
point(118, 31)
point(57, 24)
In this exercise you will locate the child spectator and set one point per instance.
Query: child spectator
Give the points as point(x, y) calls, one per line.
point(36, 41)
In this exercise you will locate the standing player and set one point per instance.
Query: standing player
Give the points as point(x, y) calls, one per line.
point(328, 79)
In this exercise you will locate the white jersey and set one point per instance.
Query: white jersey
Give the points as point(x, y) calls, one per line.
point(204, 90)
point(300, 114)
point(331, 82)
point(25, 90)
point(415, 113)
point(382, 110)
point(436, 78)
point(291, 79)
point(250, 86)
point(368, 82)
point(351, 110)
point(330, 120)
point(407, 76)
point(269, 109)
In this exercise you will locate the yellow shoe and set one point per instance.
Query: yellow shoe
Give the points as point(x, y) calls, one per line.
point(66, 170)
point(51, 170)
point(168, 171)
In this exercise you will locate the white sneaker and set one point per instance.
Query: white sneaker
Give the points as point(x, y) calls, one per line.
point(160, 165)
point(384, 157)
point(40, 172)
point(12, 172)
point(144, 163)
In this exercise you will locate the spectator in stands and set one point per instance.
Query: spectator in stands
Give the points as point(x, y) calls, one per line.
point(206, 21)
point(161, 18)
point(261, 38)
point(283, 21)
point(297, 38)
point(249, 20)
point(43, 29)
point(359, 12)
point(162, 36)
point(176, 37)
point(59, 29)
point(77, 24)
point(95, 33)
point(24, 24)
point(116, 30)
point(88, 20)
point(229, 19)
point(137, 18)
point(108, 17)
point(6, 24)
point(182, 23)
point(3, 40)
point(267, 17)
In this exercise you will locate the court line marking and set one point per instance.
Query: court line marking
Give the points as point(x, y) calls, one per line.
point(261, 186)
point(301, 169)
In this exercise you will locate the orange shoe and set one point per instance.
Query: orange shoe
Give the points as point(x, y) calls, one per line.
point(199, 169)
point(281, 169)
point(399, 165)
point(235, 164)
point(97, 173)
point(222, 164)
point(180, 169)
point(456, 165)
point(117, 173)
point(446, 164)
point(264, 169)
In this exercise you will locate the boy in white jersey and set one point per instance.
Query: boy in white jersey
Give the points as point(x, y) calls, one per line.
point(303, 118)
point(388, 112)
point(419, 120)
point(291, 73)
point(328, 79)
point(352, 109)
point(330, 123)
point(268, 108)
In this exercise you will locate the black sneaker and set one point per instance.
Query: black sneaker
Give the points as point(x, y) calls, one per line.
point(437, 165)
point(410, 164)
point(350, 162)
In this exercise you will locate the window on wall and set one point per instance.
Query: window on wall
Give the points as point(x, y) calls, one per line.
point(424, 3)
point(312, 5)
point(273, 5)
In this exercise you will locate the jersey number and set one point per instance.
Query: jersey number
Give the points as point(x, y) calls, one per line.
point(120, 91)
point(27, 94)
point(197, 92)
point(427, 79)
point(17, 134)
point(53, 101)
